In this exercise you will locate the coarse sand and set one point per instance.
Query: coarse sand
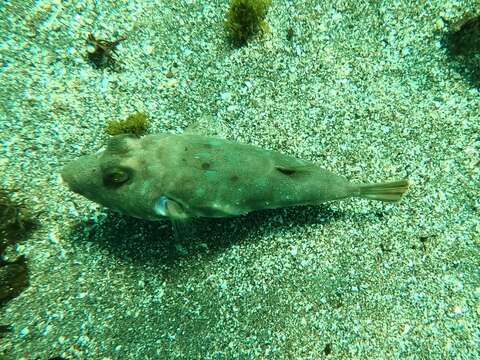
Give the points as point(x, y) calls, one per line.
point(363, 88)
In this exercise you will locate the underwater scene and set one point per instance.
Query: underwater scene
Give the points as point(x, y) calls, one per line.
point(239, 179)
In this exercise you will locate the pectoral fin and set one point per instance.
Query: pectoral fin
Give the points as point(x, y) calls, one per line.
point(167, 207)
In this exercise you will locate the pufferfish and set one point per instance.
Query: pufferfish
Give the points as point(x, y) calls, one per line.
point(185, 176)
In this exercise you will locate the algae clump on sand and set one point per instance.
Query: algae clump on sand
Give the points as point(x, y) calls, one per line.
point(16, 222)
point(136, 124)
point(246, 18)
point(463, 44)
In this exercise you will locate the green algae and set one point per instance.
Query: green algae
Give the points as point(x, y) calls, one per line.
point(16, 222)
point(245, 18)
point(462, 42)
point(136, 124)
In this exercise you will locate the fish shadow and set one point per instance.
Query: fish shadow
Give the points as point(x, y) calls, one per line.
point(142, 241)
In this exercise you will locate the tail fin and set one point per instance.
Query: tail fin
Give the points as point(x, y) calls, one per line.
point(390, 191)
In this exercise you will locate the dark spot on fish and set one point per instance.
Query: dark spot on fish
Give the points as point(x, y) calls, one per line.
point(207, 146)
point(5, 329)
point(185, 149)
point(206, 166)
point(285, 171)
point(234, 178)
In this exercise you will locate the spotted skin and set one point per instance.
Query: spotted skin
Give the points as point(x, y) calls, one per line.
point(188, 176)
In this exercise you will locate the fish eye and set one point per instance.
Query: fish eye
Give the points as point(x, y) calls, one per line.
point(115, 177)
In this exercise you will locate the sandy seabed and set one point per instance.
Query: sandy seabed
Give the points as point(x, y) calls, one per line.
point(365, 89)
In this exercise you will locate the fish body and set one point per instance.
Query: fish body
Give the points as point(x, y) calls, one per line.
point(188, 176)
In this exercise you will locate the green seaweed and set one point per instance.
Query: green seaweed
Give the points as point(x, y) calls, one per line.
point(16, 222)
point(464, 36)
point(245, 18)
point(462, 42)
point(136, 124)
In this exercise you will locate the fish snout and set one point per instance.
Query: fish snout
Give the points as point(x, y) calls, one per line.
point(80, 175)
point(68, 178)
